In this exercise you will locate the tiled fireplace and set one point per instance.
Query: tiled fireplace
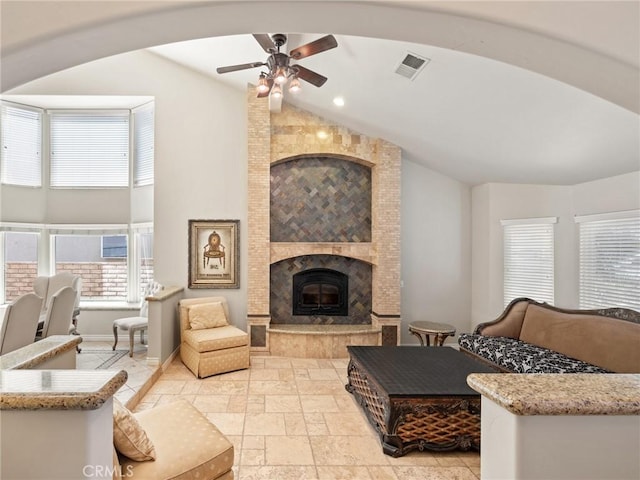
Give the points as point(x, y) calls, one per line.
point(324, 214)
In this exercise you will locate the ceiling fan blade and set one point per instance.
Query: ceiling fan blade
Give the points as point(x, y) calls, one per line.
point(265, 42)
point(310, 76)
point(264, 94)
point(317, 46)
point(244, 66)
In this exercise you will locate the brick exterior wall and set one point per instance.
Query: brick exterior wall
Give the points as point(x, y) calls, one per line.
point(106, 280)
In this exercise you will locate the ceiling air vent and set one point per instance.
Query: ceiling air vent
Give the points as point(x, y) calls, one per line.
point(411, 65)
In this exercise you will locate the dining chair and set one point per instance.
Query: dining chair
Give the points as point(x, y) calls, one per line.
point(20, 323)
point(139, 323)
point(58, 320)
point(47, 286)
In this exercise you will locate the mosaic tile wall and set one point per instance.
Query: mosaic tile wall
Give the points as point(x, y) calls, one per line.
point(359, 290)
point(320, 199)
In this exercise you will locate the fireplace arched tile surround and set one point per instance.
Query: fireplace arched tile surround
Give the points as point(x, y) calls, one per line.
point(290, 136)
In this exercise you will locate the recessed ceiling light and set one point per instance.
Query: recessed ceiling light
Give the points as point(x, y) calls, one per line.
point(338, 102)
point(321, 134)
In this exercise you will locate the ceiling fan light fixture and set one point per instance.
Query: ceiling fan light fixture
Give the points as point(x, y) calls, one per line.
point(281, 76)
point(294, 86)
point(276, 91)
point(263, 86)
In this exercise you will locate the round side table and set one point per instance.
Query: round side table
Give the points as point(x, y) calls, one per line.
point(440, 332)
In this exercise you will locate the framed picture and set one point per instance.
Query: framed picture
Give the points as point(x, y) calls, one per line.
point(213, 254)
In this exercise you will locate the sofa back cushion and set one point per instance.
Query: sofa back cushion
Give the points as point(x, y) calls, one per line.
point(609, 343)
point(510, 324)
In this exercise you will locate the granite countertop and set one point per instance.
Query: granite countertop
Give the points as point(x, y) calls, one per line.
point(166, 292)
point(561, 394)
point(39, 352)
point(58, 389)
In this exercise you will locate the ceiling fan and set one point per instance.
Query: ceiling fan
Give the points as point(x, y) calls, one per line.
point(280, 69)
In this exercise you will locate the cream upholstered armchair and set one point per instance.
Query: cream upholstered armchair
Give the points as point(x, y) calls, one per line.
point(208, 344)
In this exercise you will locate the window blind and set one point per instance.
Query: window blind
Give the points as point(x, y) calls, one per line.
point(610, 263)
point(89, 150)
point(21, 141)
point(528, 261)
point(143, 126)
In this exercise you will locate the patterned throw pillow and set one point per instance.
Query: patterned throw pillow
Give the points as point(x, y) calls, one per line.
point(129, 437)
point(207, 315)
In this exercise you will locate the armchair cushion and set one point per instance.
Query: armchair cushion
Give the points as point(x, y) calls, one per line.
point(207, 315)
point(129, 437)
point(211, 339)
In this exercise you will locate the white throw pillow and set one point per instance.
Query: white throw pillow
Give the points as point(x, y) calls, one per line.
point(207, 315)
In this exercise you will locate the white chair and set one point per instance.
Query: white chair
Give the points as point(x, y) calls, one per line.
point(136, 324)
point(59, 316)
point(46, 287)
point(20, 323)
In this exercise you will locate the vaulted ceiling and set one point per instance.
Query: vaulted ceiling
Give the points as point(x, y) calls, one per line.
point(525, 92)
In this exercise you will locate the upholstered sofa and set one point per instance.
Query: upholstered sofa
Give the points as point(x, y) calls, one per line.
point(534, 337)
point(184, 444)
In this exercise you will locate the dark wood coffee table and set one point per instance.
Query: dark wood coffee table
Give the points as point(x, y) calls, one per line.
point(417, 398)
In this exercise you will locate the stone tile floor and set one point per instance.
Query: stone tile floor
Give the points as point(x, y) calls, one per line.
point(288, 418)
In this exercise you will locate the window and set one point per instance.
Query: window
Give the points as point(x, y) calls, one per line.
point(102, 278)
point(114, 246)
point(21, 139)
point(610, 260)
point(143, 146)
point(89, 149)
point(112, 268)
point(529, 259)
point(20, 254)
point(144, 245)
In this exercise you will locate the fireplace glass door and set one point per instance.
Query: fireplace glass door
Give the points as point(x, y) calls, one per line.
point(320, 291)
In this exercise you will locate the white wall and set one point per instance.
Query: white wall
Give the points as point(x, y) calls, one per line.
point(494, 202)
point(436, 249)
point(201, 173)
point(200, 153)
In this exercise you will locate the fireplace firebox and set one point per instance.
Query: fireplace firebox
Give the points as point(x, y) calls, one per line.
point(320, 291)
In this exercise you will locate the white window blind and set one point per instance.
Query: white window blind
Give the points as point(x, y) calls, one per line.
point(21, 141)
point(610, 262)
point(529, 259)
point(143, 126)
point(89, 149)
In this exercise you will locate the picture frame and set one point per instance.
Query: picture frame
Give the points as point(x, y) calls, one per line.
point(213, 253)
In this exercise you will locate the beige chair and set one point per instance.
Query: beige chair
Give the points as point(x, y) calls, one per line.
point(59, 315)
point(139, 323)
point(46, 287)
point(211, 350)
point(20, 323)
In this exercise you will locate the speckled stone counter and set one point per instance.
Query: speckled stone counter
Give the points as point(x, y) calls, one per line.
point(558, 394)
point(58, 389)
point(41, 353)
point(65, 416)
point(582, 425)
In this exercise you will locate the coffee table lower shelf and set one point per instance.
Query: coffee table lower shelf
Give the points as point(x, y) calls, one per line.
point(425, 422)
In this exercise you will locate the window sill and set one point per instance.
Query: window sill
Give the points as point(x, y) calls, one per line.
point(97, 306)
